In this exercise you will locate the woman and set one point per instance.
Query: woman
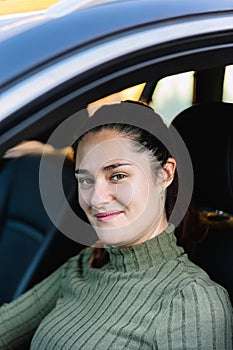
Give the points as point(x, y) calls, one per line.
point(136, 289)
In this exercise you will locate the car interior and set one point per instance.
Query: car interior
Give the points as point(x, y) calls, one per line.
point(211, 150)
point(31, 247)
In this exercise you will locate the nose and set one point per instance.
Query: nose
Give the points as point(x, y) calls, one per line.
point(103, 193)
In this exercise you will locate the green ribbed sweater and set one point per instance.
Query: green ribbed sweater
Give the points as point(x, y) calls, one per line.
point(149, 296)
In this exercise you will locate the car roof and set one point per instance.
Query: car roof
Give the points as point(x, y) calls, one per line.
point(47, 35)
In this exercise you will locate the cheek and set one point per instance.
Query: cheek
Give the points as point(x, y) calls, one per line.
point(133, 195)
point(154, 199)
point(124, 193)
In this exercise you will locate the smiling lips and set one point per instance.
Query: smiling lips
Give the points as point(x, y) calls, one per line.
point(109, 215)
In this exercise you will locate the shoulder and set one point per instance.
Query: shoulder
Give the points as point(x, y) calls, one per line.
point(199, 313)
point(206, 299)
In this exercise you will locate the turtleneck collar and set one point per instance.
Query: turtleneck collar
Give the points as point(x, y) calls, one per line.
point(147, 254)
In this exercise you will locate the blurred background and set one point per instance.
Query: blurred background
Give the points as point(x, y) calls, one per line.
point(8, 7)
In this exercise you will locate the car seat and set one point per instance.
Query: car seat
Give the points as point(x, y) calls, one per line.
point(207, 130)
point(31, 247)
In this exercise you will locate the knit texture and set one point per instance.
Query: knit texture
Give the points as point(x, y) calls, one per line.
point(149, 296)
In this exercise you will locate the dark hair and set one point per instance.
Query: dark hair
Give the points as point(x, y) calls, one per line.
point(192, 230)
point(142, 141)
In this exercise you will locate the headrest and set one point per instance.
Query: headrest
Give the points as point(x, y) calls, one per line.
point(207, 131)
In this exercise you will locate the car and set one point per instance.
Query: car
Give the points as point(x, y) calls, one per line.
point(176, 56)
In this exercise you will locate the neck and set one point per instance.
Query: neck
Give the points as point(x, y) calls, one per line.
point(158, 227)
point(150, 253)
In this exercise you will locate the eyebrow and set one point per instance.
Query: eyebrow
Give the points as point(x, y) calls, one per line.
point(81, 171)
point(106, 168)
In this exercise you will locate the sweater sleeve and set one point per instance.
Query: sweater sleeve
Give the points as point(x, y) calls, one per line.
point(20, 318)
point(199, 317)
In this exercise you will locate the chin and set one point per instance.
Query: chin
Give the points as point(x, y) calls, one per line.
point(113, 236)
point(115, 242)
point(108, 239)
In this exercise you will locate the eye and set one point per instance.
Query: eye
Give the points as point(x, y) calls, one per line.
point(85, 182)
point(117, 177)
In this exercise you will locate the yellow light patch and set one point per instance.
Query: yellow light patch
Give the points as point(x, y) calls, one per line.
point(16, 6)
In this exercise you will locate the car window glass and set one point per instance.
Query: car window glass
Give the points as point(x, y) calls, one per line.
point(172, 95)
point(131, 93)
point(227, 85)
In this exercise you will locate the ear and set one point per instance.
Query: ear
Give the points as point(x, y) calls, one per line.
point(168, 170)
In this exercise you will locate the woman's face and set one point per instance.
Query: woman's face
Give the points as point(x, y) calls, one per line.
point(117, 190)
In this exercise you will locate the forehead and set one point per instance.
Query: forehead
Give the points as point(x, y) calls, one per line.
point(97, 149)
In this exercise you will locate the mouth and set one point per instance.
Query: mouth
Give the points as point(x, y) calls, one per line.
point(108, 215)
